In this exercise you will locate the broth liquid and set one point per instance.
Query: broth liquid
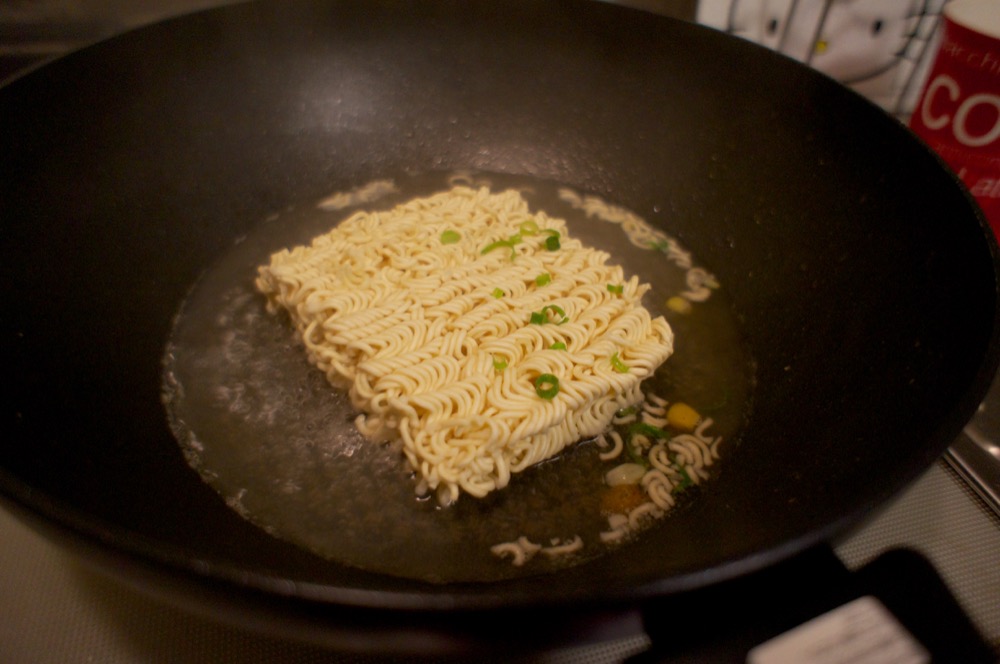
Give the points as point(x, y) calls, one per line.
point(277, 442)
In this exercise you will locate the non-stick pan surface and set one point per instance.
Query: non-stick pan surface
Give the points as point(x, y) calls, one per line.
point(862, 278)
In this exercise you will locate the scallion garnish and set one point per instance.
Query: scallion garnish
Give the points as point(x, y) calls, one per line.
point(542, 317)
point(552, 241)
point(558, 346)
point(647, 430)
point(625, 412)
point(685, 479)
point(499, 364)
point(617, 364)
point(528, 227)
point(497, 293)
point(450, 237)
point(543, 279)
point(636, 456)
point(547, 386)
point(617, 289)
point(509, 242)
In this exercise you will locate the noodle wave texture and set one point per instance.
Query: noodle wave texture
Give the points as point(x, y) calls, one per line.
point(433, 337)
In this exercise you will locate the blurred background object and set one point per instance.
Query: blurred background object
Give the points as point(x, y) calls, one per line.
point(959, 112)
point(880, 48)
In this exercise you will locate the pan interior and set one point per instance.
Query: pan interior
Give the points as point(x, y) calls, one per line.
point(278, 443)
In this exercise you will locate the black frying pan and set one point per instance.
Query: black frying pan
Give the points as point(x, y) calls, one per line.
point(861, 276)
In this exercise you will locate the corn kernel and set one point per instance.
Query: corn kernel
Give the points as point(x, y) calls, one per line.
point(683, 417)
point(679, 305)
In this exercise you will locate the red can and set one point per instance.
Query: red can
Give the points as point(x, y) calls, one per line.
point(958, 113)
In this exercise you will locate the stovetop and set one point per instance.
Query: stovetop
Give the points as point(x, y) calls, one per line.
point(54, 608)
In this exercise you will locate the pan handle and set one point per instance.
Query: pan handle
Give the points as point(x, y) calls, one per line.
point(976, 458)
point(803, 607)
point(975, 453)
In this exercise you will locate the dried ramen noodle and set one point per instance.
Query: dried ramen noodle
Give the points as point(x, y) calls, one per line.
point(439, 318)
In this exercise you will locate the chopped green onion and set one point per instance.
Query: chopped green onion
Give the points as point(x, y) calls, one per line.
point(497, 293)
point(636, 456)
point(450, 237)
point(617, 364)
point(617, 289)
point(494, 245)
point(528, 227)
point(685, 478)
point(542, 317)
point(509, 242)
point(558, 346)
point(647, 430)
point(565, 318)
point(543, 279)
point(499, 364)
point(546, 386)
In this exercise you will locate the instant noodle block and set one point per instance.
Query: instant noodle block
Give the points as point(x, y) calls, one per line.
point(477, 333)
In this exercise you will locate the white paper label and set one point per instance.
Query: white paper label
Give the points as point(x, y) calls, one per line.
point(859, 632)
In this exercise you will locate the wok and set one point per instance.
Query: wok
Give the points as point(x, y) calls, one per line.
point(861, 275)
